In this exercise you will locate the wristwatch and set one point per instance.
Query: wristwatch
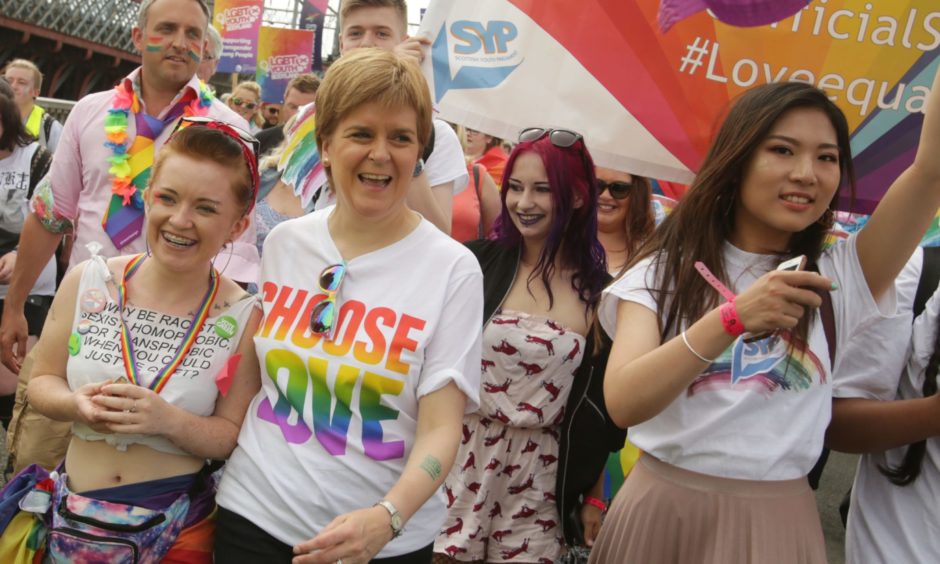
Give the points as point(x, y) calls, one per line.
point(396, 517)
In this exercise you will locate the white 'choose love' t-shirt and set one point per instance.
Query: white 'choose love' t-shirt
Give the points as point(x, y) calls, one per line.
point(335, 420)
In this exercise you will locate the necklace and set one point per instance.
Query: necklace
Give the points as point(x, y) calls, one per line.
point(115, 127)
point(195, 326)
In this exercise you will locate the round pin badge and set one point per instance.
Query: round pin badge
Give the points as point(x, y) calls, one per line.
point(226, 327)
point(84, 326)
point(93, 301)
point(75, 344)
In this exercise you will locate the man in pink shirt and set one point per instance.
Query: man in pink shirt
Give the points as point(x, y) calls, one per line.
point(76, 195)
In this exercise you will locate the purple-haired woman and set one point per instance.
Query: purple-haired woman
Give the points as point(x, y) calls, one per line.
point(517, 488)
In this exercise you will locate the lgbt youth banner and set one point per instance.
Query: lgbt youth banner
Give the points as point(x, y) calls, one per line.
point(282, 54)
point(647, 101)
point(238, 21)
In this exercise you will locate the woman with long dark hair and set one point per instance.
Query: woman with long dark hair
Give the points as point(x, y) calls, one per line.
point(721, 365)
point(624, 215)
point(539, 441)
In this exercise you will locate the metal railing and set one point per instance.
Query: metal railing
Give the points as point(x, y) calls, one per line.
point(106, 22)
point(109, 22)
point(56, 107)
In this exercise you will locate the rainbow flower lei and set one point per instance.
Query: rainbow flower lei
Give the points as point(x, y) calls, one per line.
point(115, 128)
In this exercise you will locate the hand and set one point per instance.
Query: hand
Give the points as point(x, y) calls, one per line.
point(7, 262)
point(354, 538)
point(86, 410)
point(13, 334)
point(591, 519)
point(127, 408)
point(413, 47)
point(777, 300)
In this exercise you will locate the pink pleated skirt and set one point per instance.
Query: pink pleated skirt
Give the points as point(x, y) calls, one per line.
point(664, 514)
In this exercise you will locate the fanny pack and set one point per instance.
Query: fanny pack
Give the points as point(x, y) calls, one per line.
point(84, 529)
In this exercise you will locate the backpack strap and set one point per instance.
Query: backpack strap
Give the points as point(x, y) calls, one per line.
point(38, 167)
point(476, 186)
point(46, 127)
point(929, 278)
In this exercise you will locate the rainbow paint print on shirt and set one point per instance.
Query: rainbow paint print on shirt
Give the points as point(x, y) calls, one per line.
point(323, 385)
point(765, 366)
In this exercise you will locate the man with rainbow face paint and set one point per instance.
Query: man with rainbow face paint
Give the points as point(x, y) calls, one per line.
point(95, 187)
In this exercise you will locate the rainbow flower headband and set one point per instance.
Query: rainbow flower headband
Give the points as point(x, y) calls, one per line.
point(115, 127)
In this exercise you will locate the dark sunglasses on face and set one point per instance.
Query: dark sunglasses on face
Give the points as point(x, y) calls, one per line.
point(618, 190)
point(242, 102)
point(561, 138)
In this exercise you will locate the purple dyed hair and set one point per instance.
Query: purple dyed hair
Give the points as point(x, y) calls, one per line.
point(573, 234)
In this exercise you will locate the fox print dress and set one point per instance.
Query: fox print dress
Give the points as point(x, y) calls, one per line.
point(501, 489)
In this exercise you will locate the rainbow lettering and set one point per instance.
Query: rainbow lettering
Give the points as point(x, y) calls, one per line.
point(377, 337)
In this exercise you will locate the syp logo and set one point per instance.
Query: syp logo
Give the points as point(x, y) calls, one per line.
point(238, 18)
point(474, 54)
point(280, 67)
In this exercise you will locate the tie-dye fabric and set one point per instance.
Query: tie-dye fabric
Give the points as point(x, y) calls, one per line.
point(174, 526)
point(85, 529)
point(335, 420)
point(760, 410)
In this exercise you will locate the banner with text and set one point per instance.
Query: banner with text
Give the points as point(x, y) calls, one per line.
point(282, 54)
point(648, 102)
point(312, 15)
point(238, 21)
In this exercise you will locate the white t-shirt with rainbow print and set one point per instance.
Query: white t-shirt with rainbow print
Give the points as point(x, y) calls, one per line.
point(760, 411)
point(333, 425)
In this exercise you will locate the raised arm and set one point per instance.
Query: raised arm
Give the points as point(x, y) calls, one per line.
point(905, 212)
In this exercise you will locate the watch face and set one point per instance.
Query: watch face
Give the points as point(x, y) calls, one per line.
point(396, 522)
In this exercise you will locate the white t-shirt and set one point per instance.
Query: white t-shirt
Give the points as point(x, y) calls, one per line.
point(887, 523)
point(333, 425)
point(447, 162)
point(14, 205)
point(871, 365)
point(758, 412)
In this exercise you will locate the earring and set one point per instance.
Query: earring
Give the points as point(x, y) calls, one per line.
point(326, 162)
point(231, 249)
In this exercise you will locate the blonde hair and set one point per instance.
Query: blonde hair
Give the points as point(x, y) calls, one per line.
point(28, 65)
point(376, 76)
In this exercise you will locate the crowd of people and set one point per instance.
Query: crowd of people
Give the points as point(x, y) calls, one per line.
point(430, 355)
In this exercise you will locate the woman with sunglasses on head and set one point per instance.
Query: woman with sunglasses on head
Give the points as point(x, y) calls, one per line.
point(246, 101)
point(532, 454)
point(369, 350)
point(722, 361)
point(624, 215)
point(149, 357)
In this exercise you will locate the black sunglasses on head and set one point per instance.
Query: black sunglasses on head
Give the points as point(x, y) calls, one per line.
point(562, 138)
point(618, 190)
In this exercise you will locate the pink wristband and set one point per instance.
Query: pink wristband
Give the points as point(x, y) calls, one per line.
point(595, 502)
point(730, 320)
